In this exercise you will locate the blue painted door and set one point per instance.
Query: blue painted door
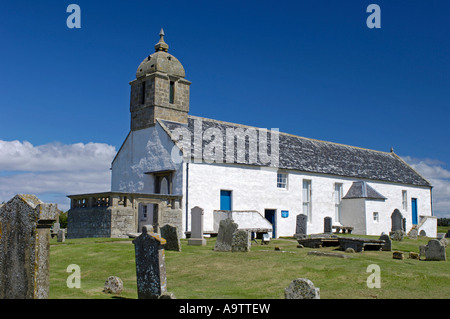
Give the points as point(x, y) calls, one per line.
point(225, 200)
point(269, 214)
point(414, 210)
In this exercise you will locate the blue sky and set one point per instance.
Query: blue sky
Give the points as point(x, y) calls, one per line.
point(309, 68)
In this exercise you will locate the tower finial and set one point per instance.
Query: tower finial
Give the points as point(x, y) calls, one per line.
point(161, 45)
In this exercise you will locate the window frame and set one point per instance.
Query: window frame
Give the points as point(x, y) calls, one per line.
point(307, 202)
point(280, 181)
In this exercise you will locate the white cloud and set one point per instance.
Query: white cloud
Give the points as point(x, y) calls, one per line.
point(53, 171)
point(439, 177)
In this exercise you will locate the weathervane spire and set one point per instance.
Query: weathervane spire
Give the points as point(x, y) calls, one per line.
point(161, 45)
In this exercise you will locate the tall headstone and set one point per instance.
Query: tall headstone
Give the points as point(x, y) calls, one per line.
point(396, 221)
point(301, 226)
point(327, 223)
point(196, 238)
point(170, 234)
point(25, 223)
point(301, 288)
point(241, 241)
point(150, 265)
point(227, 228)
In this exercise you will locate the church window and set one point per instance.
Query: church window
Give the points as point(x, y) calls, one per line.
point(172, 92)
point(143, 92)
point(337, 201)
point(282, 180)
point(405, 200)
point(375, 217)
point(307, 198)
point(144, 212)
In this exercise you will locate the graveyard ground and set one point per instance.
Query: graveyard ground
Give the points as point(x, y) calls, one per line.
point(199, 272)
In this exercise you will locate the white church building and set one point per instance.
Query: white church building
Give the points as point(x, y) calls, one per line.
point(173, 159)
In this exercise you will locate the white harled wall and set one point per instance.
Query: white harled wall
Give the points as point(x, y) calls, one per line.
point(145, 150)
point(255, 188)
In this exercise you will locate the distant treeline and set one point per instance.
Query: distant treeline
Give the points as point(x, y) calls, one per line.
point(443, 222)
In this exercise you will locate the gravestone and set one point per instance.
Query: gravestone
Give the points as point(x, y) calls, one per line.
point(301, 226)
point(434, 250)
point(241, 241)
point(113, 285)
point(196, 238)
point(327, 224)
point(55, 229)
point(447, 235)
point(396, 221)
point(397, 235)
point(227, 227)
point(150, 265)
point(25, 223)
point(170, 234)
point(61, 237)
point(413, 233)
point(387, 246)
point(301, 288)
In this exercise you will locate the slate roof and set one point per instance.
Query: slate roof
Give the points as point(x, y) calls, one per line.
point(361, 189)
point(314, 156)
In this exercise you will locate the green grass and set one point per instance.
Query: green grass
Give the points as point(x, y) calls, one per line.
point(201, 273)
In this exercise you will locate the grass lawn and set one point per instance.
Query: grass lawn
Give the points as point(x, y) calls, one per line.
point(201, 273)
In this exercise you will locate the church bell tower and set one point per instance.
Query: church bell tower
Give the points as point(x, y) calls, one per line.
point(160, 90)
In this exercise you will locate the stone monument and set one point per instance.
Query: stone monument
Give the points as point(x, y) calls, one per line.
point(196, 238)
point(150, 265)
point(434, 250)
point(241, 241)
point(387, 246)
point(170, 234)
point(227, 228)
point(301, 288)
point(25, 223)
point(301, 226)
point(327, 225)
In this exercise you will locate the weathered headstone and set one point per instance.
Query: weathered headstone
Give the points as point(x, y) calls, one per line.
point(113, 285)
point(241, 241)
point(327, 225)
point(301, 226)
point(196, 238)
point(434, 250)
point(387, 246)
point(170, 234)
point(25, 223)
point(396, 220)
point(413, 233)
point(301, 288)
point(61, 237)
point(150, 265)
point(397, 235)
point(447, 235)
point(227, 227)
